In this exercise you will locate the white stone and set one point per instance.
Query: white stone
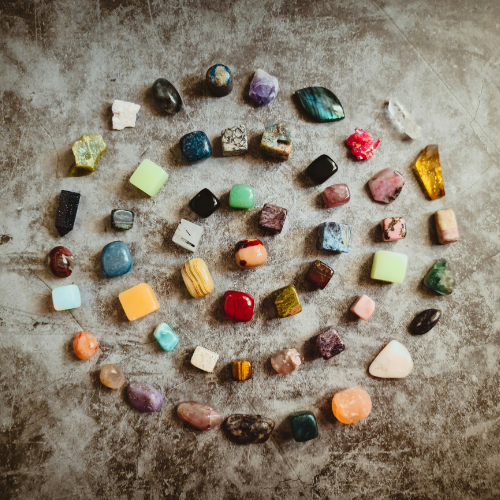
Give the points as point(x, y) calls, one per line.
point(393, 361)
point(204, 359)
point(187, 235)
point(403, 119)
point(234, 141)
point(124, 114)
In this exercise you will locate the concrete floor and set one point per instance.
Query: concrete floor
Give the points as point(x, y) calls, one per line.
point(434, 435)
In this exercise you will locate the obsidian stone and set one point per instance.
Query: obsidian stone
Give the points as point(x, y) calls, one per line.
point(66, 212)
point(122, 220)
point(321, 104)
point(205, 203)
point(195, 147)
point(166, 96)
point(246, 429)
point(304, 426)
point(321, 169)
point(425, 321)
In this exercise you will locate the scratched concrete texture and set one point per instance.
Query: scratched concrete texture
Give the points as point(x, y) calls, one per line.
point(63, 435)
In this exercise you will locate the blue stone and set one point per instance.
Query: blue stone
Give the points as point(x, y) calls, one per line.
point(166, 337)
point(115, 259)
point(304, 426)
point(195, 147)
point(219, 80)
point(321, 104)
point(334, 236)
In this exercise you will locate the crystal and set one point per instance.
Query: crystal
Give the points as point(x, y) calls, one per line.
point(234, 141)
point(277, 141)
point(403, 119)
point(336, 195)
point(321, 169)
point(334, 236)
point(165, 336)
point(85, 345)
point(389, 266)
point(351, 405)
point(425, 321)
point(122, 220)
point(61, 262)
point(188, 235)
point(304, 426)
point(329, 344)
point(138, 301)
point(166, 96)
point(87, 151)
point(197, 278)
point(219, 80)
point(242, 369)
point(144, 397)
point(363, 307)
point(66, 211)
point(393, 228)
point(386, 185)
point(111, 376)
point(242, 196)
point(362, 144)
point(149, 178)
point(286, 361)
point(272, 218)
point(200, 415)
point(428, 168)
point(287, 301)
point(204, 359)
point(320, 274)
point(440, 278)
point(238, 305)
point(115, 259)
point(246, 429)
point(250, 253)
point(393, 361)
point(204, 204)
point(263, 88)
point(321, 104)
point(446, 226)
point(124, 114)
point(195, 147)
point(66, 297)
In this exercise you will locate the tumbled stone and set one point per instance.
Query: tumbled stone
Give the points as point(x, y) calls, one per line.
point(116, 259)
point(393, 228)
point(386, 185)
point(363, 307)
point(334, 236)
point(242, 196)
point(138, 301)
point(351, 405)
point(112, 377)
point(250, 253)
point(144, 397)
point(188, 235)
point(277, 141)
point(219, 80)
point(166, 96)
point(165, 336)
point(428, 168)
point(234, 141)
point(389, 266)
point(362, 144)
point(87, 151)
point(197, 278)
point(124, 114)
point(61, 262)
point(242, 369)
point(246, 429)
point(238, 305)
point(263, 88)
point(122, 220)
point(204, 359)
point(195, 147)
point(287, 301)
point(336, 195)
point(286, 361)
point(403, 119)
point(304, 426)
point(66, 297)
point(201, 416)
point(320, 104)
point(440, 278)
point(85, 345)
point(205, 203)
point(320, 274)
point(149, 177)
point(425, 321)
point(446, 226)
point(393, 361)
point(321, 169)
point(272, 218)
point(66, 211)
point(329, 344)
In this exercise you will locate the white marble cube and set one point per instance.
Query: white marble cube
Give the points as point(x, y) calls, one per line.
point(204, 359)
point(234, 141)
point(188, 235)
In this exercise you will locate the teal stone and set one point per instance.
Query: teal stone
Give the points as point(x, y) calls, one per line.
point(166, 337)
point(321, 104)
point(116, 259)
point(304, 426)
point(440, 278)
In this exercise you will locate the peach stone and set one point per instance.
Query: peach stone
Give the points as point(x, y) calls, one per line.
point(351, 405)
point(85, 345)
point(363, 307)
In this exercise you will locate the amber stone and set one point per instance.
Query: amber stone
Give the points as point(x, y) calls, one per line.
point(320, 274)
point(428, 168)
point(246, 429)
point(242, 370)
point(111, 376)
point(425, 321)
point(61, 262)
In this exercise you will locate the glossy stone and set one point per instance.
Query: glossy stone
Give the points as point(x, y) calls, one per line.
point(234, 141)
point(351, 405)
point(272, 218)
point(393, 228)
point(263, 88)
point(287, 301)
point(321, 169)
point(238, 305)
point(124, 114)
point(204, 359)
point(85, 345)
point(247, 429)
point(204, 204)
point(66, 211)
point(149, 177)
point(277, 141)
point(403, 119)
point(425, 321)
point(166, 96)
point(389, 266)
point(116, 259)
point(363, 307)
point(304, 426)
point(334, 236)
point(393, 361)
point(66, 297)
point(286, 361)
point(329, 344)
point(446, 226)
point(336, 195)
point(362, 144)
point(242, 196)
point(87, 151)
point(197, 278)
point(242, 369)
point(428, 170)
point(61, 262)
point(166, 337)
point(201, 416)
point(111, 376)
point(195, 147)
point(320, 274)
point(386, 185)
point(219, 80)
point(188, 235)
point(440, 278)
point(250, 253)
point(138, 301)
point(320, 104)
point(144, 397)
point(122, 220)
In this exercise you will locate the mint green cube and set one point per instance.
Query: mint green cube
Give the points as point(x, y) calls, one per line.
point(242, 196)
point(389, 266)
point(149, 177)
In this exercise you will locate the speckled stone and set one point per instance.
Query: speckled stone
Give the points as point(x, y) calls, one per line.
point(334, 236)
point(195, 147)
point(329, 344)
point(246, 429)
point(219, 80)
point(425, 321)
point(116, 259)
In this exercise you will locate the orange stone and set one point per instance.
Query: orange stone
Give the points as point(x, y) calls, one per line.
point(351, 405)
point(85, 345)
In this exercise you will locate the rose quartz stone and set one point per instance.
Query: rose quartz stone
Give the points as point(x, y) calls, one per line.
point(286, 361)
point(336, 195)
point(386, 185)
point(85, 345)
point(200, 415)
point(363, 307)
point(393, 228)
point(351, 405)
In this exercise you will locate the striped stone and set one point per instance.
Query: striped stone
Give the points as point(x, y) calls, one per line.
point(197, 278)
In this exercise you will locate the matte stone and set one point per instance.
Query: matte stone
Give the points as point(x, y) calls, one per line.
point(393, 361)
point(201, 416)
point(320, 274)
point(351, 405)
point(149, 177)
point(440, 278)
point(362, 144)
point(204, 359)
point(304, 426)
point(204, 204)
point(272, 218)
point(329, 344)
point(116, 259)
point(425, 321)
point(389, 266)
point(286, 361)
point(246, 429)
point(277, 141)
point(66, 211)
point(446, 226)
point(61, 262)
point(334, 236)
point(195, 147)
point(320, 104)
point(144, 397)
point(87, 151)
point(321, 169)
point(124, 114)
point(166, 96)
point(122, 220)
point(287, 301)
point(393, 228)
point(219, 80)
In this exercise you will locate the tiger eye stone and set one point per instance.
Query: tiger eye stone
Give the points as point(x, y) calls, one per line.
point(112, 377)
point(242, 370)
point(428, 169)
point(87, 151)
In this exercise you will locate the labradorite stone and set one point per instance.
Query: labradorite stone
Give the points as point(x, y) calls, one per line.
point(246, 429)
point(321, 104)
point(304, 426)
point(166, 96)
point(425, 321)
point(440, 278)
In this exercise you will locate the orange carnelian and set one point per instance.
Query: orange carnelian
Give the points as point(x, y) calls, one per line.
point(85, 345)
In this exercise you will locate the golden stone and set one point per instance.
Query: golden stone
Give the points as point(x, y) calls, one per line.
point(242, 369)
point(88, 151)
point(429, 172)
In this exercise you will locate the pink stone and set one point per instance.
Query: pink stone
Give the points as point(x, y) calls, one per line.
point(363, 307)
point(200, 415)
point(362, 144)
point(393, 228)
point(336, 195)
point(386, 185)
point(286, 361)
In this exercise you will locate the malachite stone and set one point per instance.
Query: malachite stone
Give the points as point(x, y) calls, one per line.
point(321, 104)
point(88, 151)
point(440, 278)
point(304, 426)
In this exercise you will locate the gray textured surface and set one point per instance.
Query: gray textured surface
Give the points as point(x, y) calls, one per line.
point(63, 435)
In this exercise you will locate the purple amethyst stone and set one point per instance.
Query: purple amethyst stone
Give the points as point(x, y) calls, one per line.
point(144, 397)
point(263, 88)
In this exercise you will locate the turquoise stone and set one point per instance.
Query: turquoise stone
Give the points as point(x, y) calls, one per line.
point(321, 104)
point(304, 426)
point(116, 259)
point(440, 278)
point(166, 337)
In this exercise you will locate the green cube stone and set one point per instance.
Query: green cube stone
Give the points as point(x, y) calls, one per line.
point(389, 266)
point(304, 426)
point(149, 177)
point(287, 301)
point(242, 196)
point(440, 278)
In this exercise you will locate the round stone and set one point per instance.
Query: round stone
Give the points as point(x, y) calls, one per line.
point(61, 262)
point(112, 377)
point(144, 397)
point(166, 96)
point(85, 345)
point(351, 405)
point(286, 361)
point(219, 80)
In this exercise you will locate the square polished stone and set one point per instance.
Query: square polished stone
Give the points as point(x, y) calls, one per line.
point(321, 169)
point(242, 370)
point(393, 228)
point(115, 259)
point(304, 426)
point(238, 305)
point(204, 204)
point(336, 195)
point(389, 266)
point(149, 178)
point(242, 196)
point(329, 344)
point(166, 337)
point(334, 236)
point(195, 147)
point(122, 220)
point(188, 235)
point(204, 359)
point(234, 141)
point(138, 301)
point(272, 218)
point(320, 274)
point(287, 301)
point(66, 297)
point(363, 307)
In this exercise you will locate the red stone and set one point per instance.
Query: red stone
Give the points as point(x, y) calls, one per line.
point(336, 195)
point(362, 144)
point(61, 262)
point(238, 305)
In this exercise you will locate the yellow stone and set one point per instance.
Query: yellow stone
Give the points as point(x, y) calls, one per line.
point(242, 369)
point(87, 151)
point(429, 172)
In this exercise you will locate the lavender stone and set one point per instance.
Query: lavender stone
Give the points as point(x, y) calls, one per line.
point(263, 88)
point(329, 344)
point(144, 397)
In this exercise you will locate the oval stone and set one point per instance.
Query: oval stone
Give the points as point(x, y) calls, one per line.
point(85, 345)
point(111, 376)
point(144, 397)
point(61, 262)
point(425, 321)
point(200, 415)
point(166, 96)
point(246, 429)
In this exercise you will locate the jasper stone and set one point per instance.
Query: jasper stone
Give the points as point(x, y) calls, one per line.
point(425, 321)
point(61, 262)
point(286, 361)
point(386, 185)
point(66, 211)
point(246, 429)
point(111, 376)
point(277, 141)
point(200, 415)
point(166, 96)
point(440, 278)
point(87, 151)
point(320, 274)
point(321, 104)
point(85, 345)
point(287, 302)
point(329, 344)
point(238, 305)
point(321, 169)
point(144, 397)
point(219, 80)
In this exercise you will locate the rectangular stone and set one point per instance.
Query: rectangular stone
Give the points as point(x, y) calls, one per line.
point(393, 228)
point(204, 359)
point(234, 141)
point(149, 178)
point(446, 226)
point(66, 211)
point(389, 266)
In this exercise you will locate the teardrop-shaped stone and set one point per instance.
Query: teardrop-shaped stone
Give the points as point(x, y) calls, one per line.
point(393, 361)
point(166, 96)
point(144, 397)
point(246, 429)
point(200, 415)
point(321, 104)
point(425, 321)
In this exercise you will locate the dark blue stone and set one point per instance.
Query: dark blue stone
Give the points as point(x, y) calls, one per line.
point(219, 80)
point(321, 104)
point(205, 203)
point(115, 259)
point(195, 147)
point(304, 426)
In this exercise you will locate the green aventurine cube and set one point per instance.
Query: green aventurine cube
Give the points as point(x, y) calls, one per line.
point(149, 177)
point(242, 196)
point(389, 266)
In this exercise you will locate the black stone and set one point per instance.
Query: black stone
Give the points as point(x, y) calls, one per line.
point(66, 212)
point(166, 96)
point(425, 321)
point(321, 169)
point(246, 429)
point(122, 220)
point(205, 203)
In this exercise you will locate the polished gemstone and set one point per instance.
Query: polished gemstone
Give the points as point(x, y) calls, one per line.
point(149, 178)
point(188, 235)
point(440, 278)
point(204, 359)
point(166, 96)
point(144, 397)
point(425, 321)
point(386, 185)
point(66, 211)
point(363, 307)
point(238, 305)
point(393, 361)
point(393, 228)
point(362, 144)
point(204, 204)
point(336, 195)
point(351, 405)
point(389, 266)
point(428, 168)
point(329, 344)
point(124, 114)
point(85, 345)
point(219, 80)
point(138, 301)
point(287, 301)
point(201, 416)
point(250, 253)
point(195, 147)
point(122, 220)
point(403, 119)
point(286, 361)
point(234, 141)
point(165, 336)
point(277, 141)
point(320, 274)
point(272, 218)
point(242, 369)
point(242, 196)
point(304, 426)
point(61, 262)
point(66, 297)
point(446, 226)
point(87, 151)
point(321, 104)
point(263, 88)
point(111, 376)
point(116, 259)
point(321, 169)
point(246, 429)
point(197, 278)
point(334, 236)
